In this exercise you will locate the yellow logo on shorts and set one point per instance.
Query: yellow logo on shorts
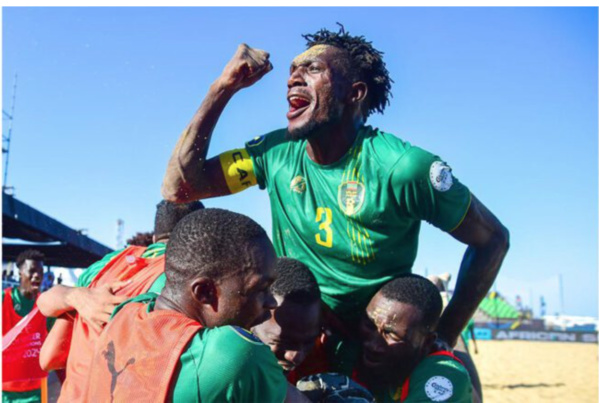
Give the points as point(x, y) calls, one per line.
point(298, 184)
point(351, 197)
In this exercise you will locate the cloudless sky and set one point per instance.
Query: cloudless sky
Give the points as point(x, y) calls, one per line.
point(507, 96)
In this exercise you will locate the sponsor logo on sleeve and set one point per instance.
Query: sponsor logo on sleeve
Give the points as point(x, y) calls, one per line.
point(255, 141)
point(438, 388)
point(440, 175)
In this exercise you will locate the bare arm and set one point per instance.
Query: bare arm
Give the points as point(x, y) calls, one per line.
point(488, 243)
point(94, 305)
point(188, 175)
point(55, 350)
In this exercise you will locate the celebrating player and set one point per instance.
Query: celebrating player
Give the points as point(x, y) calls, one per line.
point(347, 199)
point(294, 326)
point(398, 360)
point(189, 343)
point(99, 290)
point(17, 303)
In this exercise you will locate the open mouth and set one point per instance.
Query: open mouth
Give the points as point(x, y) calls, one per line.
point(297, 105)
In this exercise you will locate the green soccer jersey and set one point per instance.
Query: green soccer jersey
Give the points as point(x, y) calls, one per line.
point(437, 378)
point(355, 222)
point(224, 364)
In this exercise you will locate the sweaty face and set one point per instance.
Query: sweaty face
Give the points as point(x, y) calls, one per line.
point(393, 339)
point(32, 272)
point(291, 331)
point(245, 299)
point(317, 87)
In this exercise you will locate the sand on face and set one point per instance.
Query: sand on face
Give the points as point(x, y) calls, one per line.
point(524, 371)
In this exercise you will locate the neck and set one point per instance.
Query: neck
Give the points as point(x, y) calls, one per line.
point(332, 143)
point(27, 293)
point(166, 301)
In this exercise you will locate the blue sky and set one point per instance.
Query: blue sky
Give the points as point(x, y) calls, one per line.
point(507, 96)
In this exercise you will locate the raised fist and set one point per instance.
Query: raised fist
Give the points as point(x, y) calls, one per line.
point(247, 66)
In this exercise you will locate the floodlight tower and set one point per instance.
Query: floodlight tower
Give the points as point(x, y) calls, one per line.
point(120, 228)
point(6, 137)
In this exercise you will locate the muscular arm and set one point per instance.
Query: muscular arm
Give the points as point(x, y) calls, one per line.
point(189, 176)
point(488, 243)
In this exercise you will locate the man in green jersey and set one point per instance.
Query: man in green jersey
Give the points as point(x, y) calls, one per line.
point(219, 267)
point(398, 362)
point(294, 326)
point(346, 199)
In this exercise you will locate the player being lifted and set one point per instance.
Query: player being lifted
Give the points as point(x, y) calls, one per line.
point(347, 199)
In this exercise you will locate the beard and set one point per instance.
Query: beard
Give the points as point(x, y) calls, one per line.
point(330, 115)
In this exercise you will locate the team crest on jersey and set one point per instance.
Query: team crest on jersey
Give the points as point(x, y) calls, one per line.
point(438, 388)
point(351, 197)
point(246, 334)
point(255, 141)
point(440, 175)
point(298, 184)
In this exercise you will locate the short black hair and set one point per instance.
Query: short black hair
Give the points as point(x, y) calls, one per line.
point(366, 64)
point(29, 254)
point(417, 291)
point(295, 282)
point(210, 242)
point(141, 239)
point(168, 214)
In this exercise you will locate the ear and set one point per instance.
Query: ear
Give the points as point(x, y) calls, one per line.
point(359, 92)
point(429, 341)
point(205, 292)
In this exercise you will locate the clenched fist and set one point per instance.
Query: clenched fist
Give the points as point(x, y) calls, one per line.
point(247, 66)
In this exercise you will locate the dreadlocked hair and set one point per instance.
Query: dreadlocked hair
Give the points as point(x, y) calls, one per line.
point(366, 64)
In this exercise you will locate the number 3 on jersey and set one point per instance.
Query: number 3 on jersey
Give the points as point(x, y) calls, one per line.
point(325, 217)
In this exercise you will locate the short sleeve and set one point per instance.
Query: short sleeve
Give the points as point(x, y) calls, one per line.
point(268, 153)
point(440, 381)
point(232, 366)
point(426, 189)
point(256, 149)
point(86, 278)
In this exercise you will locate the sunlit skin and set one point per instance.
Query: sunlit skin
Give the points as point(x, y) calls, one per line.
point(291, 331)
point(324, 105)
point(32, 273)
point(394, 341)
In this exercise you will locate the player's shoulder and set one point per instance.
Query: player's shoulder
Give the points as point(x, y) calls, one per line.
point(235, 346)
point(269, 140)
point(441, 378)
point(442, 363)
point(392, 151)
point(237, 339)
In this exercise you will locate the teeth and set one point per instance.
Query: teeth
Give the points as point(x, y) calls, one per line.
point(295, 97)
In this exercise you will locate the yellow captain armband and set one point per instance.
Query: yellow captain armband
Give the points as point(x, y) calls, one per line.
point(238, 169)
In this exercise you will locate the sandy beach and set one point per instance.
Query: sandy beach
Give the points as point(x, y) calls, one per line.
point(522, 371)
